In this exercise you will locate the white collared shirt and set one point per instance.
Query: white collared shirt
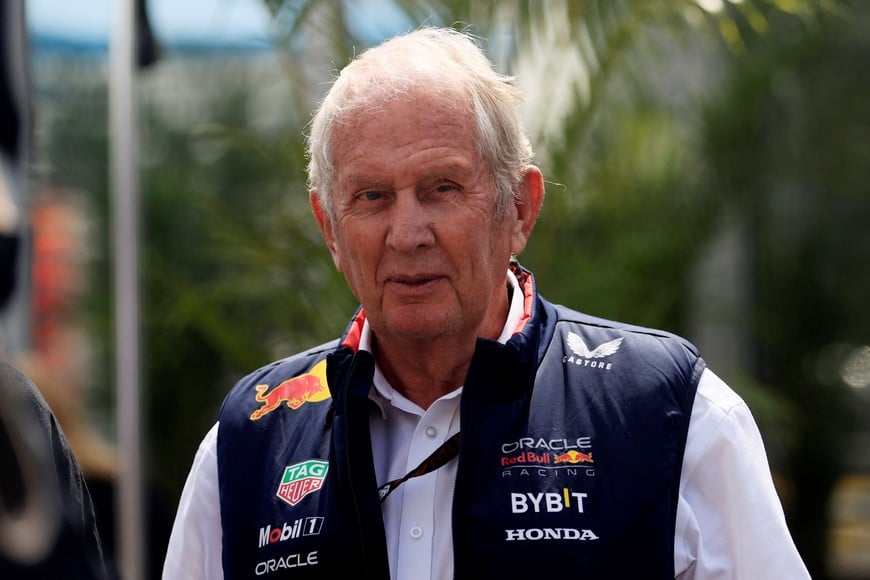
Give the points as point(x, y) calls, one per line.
point(730, 522)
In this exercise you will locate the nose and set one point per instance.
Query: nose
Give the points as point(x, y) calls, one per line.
point(410, 226)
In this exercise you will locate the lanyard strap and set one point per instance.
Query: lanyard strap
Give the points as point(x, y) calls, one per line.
point(439, 458)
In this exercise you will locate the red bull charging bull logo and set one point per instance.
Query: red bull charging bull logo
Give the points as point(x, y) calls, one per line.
point(308, 388)
point(572, 456)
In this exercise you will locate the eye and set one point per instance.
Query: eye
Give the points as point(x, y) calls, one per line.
point(445, 187)
point(370, 196)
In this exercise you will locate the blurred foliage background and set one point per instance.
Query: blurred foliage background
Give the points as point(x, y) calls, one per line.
point(707, 170)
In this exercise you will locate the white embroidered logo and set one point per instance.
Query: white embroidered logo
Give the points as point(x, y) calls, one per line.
point(576, 344)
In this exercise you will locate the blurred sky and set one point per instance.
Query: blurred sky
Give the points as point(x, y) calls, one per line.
point(171, 19)
point(198, 20)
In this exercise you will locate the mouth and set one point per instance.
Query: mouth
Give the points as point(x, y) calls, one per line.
point(413, 284)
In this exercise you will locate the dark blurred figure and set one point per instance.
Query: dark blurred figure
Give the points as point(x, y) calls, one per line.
point(99, 465)
point(47, 525)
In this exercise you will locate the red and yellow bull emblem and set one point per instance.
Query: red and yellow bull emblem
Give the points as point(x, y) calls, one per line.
point(573, 456)
point(308, 388)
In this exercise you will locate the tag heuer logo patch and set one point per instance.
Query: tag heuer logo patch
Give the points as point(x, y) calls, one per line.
point(301, 479)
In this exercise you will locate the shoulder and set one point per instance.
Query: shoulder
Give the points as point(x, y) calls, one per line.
point(287, 366)
point(279, 370)
point(293, 381)
point(716, 399)
point(593, 323)
point(636, 349)
point(721, 419)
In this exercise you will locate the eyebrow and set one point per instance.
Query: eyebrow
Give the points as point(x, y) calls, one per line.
point(449, 170)
point(363, 183)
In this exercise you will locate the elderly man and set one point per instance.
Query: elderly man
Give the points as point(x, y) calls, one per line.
point(463, 426)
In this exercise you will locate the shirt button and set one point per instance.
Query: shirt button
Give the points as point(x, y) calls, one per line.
point(416, 532)
point(431, 431)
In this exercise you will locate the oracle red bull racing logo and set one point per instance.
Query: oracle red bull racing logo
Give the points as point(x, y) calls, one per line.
point(546, 457)
point(308, 388)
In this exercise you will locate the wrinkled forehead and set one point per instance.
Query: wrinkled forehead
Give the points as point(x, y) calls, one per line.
point(400, 127)
point(418, 100)
point(383, 100)
point(377, 84)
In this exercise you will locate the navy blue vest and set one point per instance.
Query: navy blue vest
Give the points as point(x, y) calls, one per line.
point(572, 441)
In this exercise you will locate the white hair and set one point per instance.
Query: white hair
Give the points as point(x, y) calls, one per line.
point(436, 60)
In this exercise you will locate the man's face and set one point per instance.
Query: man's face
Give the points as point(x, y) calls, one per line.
point(414, 231)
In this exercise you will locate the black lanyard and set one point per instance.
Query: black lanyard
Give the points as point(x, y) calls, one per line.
point(439, 458)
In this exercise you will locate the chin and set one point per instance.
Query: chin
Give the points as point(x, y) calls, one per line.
point(418, 326)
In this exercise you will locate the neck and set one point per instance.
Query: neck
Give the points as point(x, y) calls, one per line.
point(424, 373)
point(426, 370)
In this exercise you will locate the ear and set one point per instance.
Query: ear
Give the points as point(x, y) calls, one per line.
point(528, 202)
point(324, 222)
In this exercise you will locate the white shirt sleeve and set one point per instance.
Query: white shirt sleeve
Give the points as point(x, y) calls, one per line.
point(195, 551)
point(730, 522)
